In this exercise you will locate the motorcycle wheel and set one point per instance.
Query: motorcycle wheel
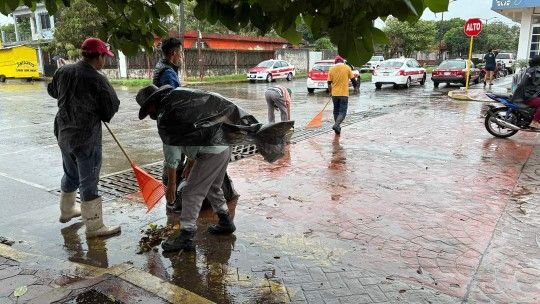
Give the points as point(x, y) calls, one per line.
point(493, 128)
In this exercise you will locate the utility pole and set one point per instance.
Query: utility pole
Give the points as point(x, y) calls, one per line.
point(181, 30)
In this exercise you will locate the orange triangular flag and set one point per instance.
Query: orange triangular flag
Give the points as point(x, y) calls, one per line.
point(152, 189)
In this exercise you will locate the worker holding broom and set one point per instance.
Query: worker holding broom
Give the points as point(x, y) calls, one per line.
point(85, 99)
point(338, 85)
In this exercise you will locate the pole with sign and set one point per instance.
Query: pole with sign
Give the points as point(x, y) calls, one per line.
point(472, 28)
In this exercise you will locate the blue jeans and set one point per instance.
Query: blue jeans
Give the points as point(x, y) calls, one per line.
point(340, 108)
point(81, 171)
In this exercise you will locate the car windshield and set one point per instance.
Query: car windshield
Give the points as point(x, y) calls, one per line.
point(453, 64)
point(321, 67)
point(503, 56)
point(266, 64)
point(391, 64)
point(376, 58)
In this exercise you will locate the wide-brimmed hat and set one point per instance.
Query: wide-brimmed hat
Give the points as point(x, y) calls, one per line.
point(148, 95)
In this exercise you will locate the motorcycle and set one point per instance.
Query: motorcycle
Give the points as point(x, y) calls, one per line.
point(508, 120)
point(501, 70)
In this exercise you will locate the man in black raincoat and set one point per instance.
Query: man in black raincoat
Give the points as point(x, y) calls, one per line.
point(204, 125)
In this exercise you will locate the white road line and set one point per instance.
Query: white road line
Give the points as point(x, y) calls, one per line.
point(28, 149)
point(24, 182)
point(26, 126)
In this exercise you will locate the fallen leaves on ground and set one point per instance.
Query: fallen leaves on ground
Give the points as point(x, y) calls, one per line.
point(153, 236)
point(20, 291)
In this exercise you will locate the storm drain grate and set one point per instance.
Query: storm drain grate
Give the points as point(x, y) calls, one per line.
point(122, 183)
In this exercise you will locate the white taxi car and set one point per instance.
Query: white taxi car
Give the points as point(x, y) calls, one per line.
point(399, 72)
point(269, 70)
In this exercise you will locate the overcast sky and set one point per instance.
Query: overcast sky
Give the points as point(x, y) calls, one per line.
point(460, 8)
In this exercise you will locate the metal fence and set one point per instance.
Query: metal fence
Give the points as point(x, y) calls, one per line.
point(212, 62)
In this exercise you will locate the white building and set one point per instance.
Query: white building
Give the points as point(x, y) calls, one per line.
point(526, 13)
point(41, 24)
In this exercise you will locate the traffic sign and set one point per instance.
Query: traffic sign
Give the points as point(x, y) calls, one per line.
point(473, 27)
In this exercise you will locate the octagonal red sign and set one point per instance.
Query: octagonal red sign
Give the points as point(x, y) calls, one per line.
point(473, 27)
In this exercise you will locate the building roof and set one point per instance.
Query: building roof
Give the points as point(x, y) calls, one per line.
point(194, 34)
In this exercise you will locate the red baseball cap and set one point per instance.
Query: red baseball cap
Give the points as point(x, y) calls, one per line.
point(339, 59)
point(95, 45)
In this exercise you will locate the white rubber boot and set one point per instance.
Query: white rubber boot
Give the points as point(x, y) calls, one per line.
point(92, 215)
point(68, 208)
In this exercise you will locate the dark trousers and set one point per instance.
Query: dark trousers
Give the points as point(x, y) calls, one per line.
point(535, 102)
point(340, 109)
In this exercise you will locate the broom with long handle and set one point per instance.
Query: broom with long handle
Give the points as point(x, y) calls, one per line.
point(316, 122)
point(152, 190)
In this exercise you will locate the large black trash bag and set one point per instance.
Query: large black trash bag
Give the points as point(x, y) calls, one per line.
point(191, 117)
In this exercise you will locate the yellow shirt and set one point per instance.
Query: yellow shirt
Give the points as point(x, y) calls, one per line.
point(339, 75)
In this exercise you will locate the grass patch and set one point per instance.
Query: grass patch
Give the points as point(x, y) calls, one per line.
point(430, 69)
point(365, 77)
point(131, 82)
point(193, 80)
point(219, 78)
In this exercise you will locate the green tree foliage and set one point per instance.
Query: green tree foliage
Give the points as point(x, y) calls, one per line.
point(131, 24)
point(323, 43)
point(500, 36)
point(407, 39)
point(496, 35)
point(73, 25)
point(193, 24)
point(24, 28)
point(9, 32)
point(457, 44)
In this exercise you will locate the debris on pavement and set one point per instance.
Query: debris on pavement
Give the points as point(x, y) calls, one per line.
point(6, 241)
point(153, 236)
point(93, 296)
point(20, 291)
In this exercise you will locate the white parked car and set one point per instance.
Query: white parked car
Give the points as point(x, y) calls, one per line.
point(373, 63)
point(399, 72)
point(270, 70)
point(507, 59)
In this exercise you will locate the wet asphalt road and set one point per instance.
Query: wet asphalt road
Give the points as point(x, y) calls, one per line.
point(27, 115)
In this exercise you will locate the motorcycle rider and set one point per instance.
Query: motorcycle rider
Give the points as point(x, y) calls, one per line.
point(528, 89)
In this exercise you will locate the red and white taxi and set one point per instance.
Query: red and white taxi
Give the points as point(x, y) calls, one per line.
point(318, 75)
point(399, 72)
point(269, 70)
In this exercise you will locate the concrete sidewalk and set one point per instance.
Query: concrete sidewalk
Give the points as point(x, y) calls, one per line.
point(417, 204)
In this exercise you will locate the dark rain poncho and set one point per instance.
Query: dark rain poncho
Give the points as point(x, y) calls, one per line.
point(190, 117)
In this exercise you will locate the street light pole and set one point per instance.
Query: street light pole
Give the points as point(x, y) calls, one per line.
point(441, 32)
point(181, 29)
point(487, 19)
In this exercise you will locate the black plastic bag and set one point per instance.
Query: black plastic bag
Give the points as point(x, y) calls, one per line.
point(191, 117)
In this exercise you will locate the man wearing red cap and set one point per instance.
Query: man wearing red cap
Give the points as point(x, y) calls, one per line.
point(338, 85)
point(85, 99)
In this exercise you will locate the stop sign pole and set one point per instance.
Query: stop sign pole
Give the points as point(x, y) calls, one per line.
point(472, 28)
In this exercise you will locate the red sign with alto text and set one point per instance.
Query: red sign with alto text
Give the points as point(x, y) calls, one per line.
point(473, 27)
